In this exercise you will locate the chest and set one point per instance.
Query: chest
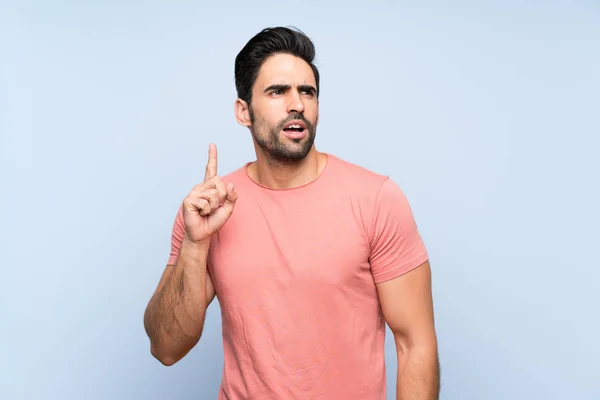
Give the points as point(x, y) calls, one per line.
point(270, 247)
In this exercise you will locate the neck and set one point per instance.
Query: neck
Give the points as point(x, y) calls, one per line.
point(280, 175)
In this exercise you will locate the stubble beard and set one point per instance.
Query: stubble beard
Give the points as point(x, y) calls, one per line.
point(267, 137)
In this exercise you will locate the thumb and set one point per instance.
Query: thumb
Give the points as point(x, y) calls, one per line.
point(231, 198)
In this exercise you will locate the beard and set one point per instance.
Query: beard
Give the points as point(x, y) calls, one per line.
point(278, 149)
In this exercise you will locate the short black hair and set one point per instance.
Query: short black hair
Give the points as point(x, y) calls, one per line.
point(268, 42)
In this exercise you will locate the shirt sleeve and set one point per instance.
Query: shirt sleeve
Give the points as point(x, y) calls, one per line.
point(176, 237)
point(396, 245)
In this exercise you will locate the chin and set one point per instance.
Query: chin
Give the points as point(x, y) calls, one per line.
point(290, 154)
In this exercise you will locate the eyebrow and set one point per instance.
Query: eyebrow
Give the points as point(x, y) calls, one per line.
point(308, 88)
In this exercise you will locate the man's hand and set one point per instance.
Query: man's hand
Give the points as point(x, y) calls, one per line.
point(209, 205)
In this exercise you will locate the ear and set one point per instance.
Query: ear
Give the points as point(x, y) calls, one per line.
point(242, 113)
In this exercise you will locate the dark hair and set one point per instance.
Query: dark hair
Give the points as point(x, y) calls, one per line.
point(268, 42)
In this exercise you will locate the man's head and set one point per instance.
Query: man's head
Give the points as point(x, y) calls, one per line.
point(278, 88)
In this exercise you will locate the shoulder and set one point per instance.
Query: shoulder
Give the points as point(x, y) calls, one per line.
point(378, 192)
point(355, 177)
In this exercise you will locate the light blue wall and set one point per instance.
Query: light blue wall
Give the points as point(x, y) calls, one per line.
point(486, 113)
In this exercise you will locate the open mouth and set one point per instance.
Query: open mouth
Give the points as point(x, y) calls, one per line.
point(295, 129)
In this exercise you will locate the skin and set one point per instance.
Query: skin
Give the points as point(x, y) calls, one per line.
point(282, 91)
point(407, 307)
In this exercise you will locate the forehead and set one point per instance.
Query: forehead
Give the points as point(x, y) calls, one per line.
point(285, 68)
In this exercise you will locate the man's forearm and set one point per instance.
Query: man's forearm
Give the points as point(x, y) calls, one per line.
point(418, 374)
point(175, 315)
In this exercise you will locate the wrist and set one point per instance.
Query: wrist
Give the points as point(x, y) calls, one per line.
point(195, 247)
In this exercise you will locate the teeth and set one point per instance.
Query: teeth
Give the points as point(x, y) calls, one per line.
point(295, 126)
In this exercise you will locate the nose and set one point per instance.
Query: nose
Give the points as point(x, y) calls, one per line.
point(295, 103)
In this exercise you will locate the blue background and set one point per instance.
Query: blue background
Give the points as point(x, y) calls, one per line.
point(486, 113)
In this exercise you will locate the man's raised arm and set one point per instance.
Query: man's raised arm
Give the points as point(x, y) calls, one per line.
point(174, 317)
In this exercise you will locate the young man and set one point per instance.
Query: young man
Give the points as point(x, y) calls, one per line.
point(309, 255)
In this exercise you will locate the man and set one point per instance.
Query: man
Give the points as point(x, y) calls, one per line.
point(309, 255)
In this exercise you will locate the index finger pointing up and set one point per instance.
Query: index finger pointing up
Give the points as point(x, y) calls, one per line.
point(211, 166)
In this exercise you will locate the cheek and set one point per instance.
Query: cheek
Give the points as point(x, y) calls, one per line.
point(274, 114)
point(310, 106)
point(312, 114)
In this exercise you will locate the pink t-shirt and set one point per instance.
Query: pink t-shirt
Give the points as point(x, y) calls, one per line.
point(295, 272)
